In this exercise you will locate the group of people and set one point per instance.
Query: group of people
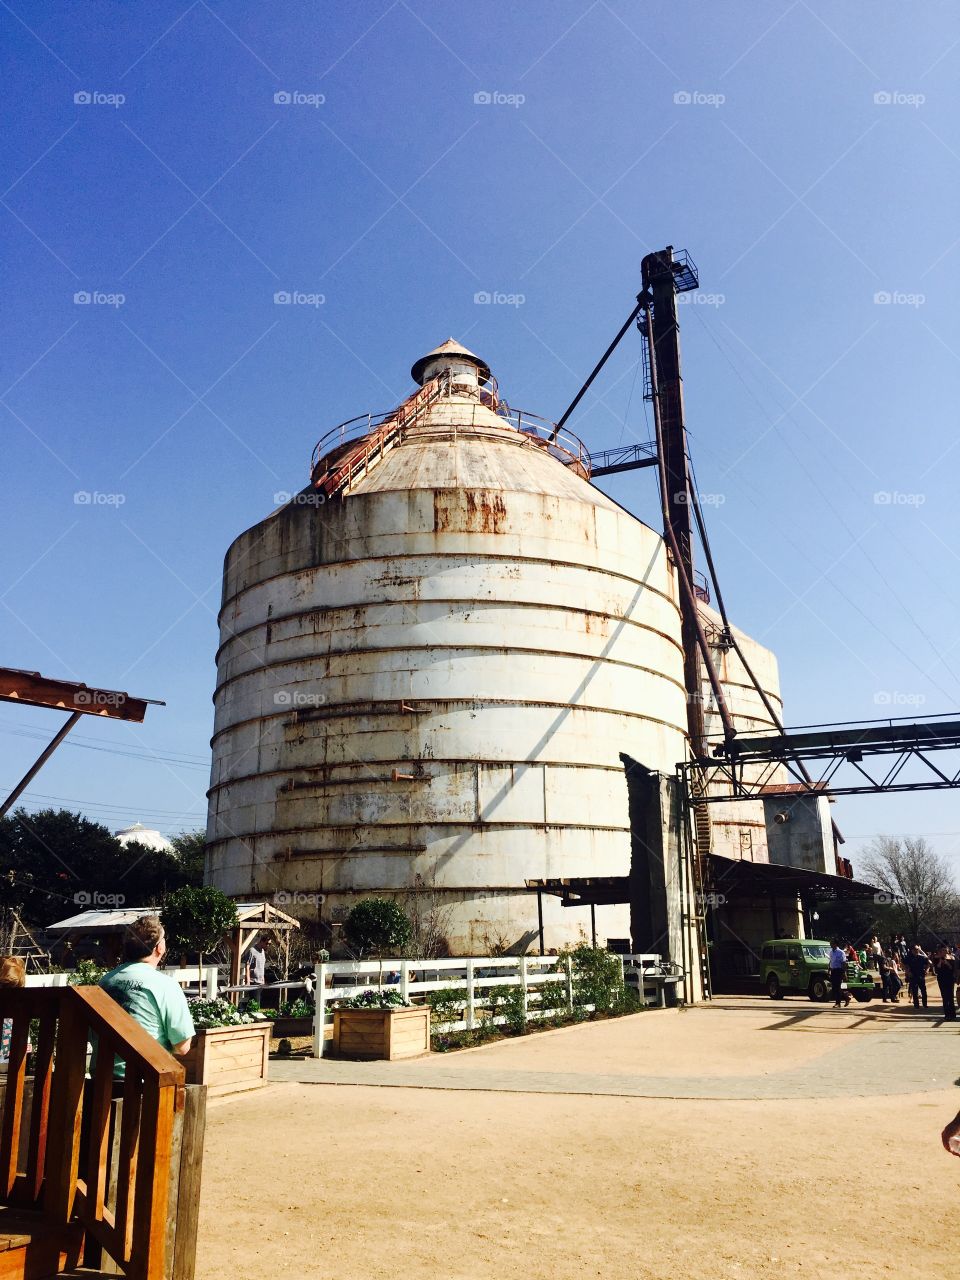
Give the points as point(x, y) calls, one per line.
point(897, 963)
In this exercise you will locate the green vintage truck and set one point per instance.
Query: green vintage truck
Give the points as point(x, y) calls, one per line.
point(800, 966)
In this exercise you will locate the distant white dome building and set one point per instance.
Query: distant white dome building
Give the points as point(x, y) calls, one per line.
point(139, 834)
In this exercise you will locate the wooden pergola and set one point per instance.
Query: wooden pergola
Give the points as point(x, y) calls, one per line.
point(254, 918)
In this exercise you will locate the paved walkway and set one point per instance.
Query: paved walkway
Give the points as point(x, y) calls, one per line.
point(867, 1054)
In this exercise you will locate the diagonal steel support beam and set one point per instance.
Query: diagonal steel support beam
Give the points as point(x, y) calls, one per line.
point(40, 761)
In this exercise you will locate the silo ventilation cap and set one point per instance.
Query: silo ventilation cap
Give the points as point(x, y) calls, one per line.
point(456, 353)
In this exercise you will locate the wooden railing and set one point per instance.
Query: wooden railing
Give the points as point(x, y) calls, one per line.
point(67, 1149)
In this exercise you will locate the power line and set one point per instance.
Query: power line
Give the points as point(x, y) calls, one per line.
point(156, 756)
point(82, 737)
point(106, 806)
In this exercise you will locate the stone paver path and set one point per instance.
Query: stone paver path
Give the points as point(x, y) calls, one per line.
point(870, 1055)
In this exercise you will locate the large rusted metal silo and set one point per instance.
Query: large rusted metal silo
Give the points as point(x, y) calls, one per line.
point(430, 662)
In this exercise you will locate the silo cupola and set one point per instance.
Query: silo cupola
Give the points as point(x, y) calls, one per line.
point(464, 367)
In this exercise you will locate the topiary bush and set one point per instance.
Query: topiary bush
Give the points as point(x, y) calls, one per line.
point(377, 926)
point(195, 919)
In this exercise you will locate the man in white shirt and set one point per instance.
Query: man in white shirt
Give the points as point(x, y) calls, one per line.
point(838, 972)
point(257, 963)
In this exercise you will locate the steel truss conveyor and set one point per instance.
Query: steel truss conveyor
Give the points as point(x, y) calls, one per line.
point(866, 758)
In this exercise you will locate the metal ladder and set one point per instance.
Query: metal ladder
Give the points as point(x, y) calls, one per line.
point(373, 447)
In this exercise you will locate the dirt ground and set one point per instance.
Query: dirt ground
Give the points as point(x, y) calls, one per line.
point(360, 1182)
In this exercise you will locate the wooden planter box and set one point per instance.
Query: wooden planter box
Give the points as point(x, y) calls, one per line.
point(381, 1033)
point(227, 1059)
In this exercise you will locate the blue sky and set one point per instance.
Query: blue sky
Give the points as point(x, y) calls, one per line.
point(804, 153)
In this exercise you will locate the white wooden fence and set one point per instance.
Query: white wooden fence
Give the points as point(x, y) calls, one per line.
point(187, 978)
point(475, 978)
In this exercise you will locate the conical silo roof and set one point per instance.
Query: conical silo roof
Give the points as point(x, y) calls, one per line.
point(486, 454)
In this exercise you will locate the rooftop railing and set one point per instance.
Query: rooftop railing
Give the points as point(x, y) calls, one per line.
point(333, 465)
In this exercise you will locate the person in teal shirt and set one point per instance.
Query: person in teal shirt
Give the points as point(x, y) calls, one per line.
point(152, 998)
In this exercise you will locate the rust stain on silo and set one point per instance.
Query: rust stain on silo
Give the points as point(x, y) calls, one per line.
point(486, 512)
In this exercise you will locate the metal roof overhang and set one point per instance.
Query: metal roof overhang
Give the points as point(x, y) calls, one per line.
point(112, 920)
point(585, 891)
point(728, 876)
point(34, 690)
point(250, 915)
point(733, 876)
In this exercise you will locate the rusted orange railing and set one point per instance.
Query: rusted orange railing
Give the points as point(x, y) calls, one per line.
point(376, 432)
point(335, 465)
point(55, 1123)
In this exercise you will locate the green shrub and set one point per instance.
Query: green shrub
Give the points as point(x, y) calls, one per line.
point(391, 999)
point(298, 1008)
point(217, 1013)
point(196, 919)
point(628, 1001)
point(597, 978)
point(446, 1005)
point(444, 1041)
point(507, 1002)
point(485, 1031)
point(553, 1001)
point(87, 974)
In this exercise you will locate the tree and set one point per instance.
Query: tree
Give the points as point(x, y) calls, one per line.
point(189, 848)
point(149, 876)
point(377, 925)
point(53, 863)
point(430, 921)
point(916, 884)
point(196, 918)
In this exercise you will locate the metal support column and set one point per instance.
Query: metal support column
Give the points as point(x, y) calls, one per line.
point(659, 281)
point(40, 761)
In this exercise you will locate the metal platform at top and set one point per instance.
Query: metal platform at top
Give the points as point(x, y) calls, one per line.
point(674, 262)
